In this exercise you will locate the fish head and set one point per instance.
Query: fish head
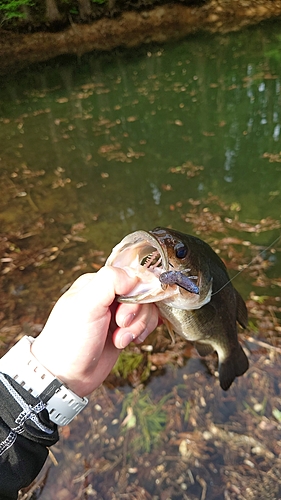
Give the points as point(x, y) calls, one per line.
point(168, 268)
point(181, 252)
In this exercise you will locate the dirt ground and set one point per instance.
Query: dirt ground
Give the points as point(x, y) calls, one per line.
point(132, 28)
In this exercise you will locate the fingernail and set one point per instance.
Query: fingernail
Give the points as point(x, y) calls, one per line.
point(128, 320)
point(143, 335)
point(126, 339)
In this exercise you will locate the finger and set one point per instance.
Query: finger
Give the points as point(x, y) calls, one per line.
point(101, 287)
point(143, 324)
point(126, 314)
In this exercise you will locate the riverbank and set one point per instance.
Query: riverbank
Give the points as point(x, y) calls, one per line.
point(132, 28)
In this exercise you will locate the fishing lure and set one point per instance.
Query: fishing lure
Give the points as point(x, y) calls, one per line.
point(180, 279)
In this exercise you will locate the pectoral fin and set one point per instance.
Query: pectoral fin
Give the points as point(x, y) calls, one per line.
point(203, 349)
point(169, 327)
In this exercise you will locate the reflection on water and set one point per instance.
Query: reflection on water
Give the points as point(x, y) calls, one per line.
point(186, 135)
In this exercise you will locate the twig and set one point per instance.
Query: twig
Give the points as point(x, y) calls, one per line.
point(263, 344)
point(203, 484)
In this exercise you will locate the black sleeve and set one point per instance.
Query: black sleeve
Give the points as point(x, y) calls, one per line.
point(25, 434)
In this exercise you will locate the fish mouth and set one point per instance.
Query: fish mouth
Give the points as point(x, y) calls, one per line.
point(158, 281)
point(142, 252)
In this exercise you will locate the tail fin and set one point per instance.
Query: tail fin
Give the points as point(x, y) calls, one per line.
point(233, 366)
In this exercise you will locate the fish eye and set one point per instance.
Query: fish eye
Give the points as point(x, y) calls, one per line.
point(180, 251)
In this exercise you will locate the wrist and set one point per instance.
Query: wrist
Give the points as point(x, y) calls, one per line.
point(54, 363)
point(20, 364)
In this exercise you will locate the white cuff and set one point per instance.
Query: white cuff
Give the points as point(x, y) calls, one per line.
point(20, 364)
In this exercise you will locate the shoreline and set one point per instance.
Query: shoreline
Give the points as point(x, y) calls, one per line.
point(133, 28)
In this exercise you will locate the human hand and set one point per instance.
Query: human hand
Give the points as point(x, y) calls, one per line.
point(86, 329)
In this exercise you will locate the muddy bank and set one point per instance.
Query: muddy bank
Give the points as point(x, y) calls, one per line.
point(165, 22)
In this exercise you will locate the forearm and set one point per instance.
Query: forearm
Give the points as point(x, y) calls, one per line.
point(27, 391)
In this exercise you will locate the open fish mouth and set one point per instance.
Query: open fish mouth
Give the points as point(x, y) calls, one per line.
point(158, 281)
point(142, 252)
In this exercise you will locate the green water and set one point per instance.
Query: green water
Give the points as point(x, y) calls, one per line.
point(105, 141)
point(214, 101)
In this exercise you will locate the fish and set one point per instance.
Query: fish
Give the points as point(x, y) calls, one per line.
point(190, 285)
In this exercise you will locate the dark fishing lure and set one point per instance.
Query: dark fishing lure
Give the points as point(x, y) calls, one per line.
point(180, 279)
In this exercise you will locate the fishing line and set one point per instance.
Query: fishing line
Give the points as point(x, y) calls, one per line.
point(248, 265)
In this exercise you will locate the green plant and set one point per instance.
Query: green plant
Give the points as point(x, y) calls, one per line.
point(145, 417)
point(12, 8)
point(277, 414)
point(261, 408)
point(99, 1)
point(127, 363)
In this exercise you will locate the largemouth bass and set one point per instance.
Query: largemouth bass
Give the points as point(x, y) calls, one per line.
point(190, 285)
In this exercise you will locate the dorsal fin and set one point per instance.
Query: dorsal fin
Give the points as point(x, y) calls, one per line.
point(241, 310)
